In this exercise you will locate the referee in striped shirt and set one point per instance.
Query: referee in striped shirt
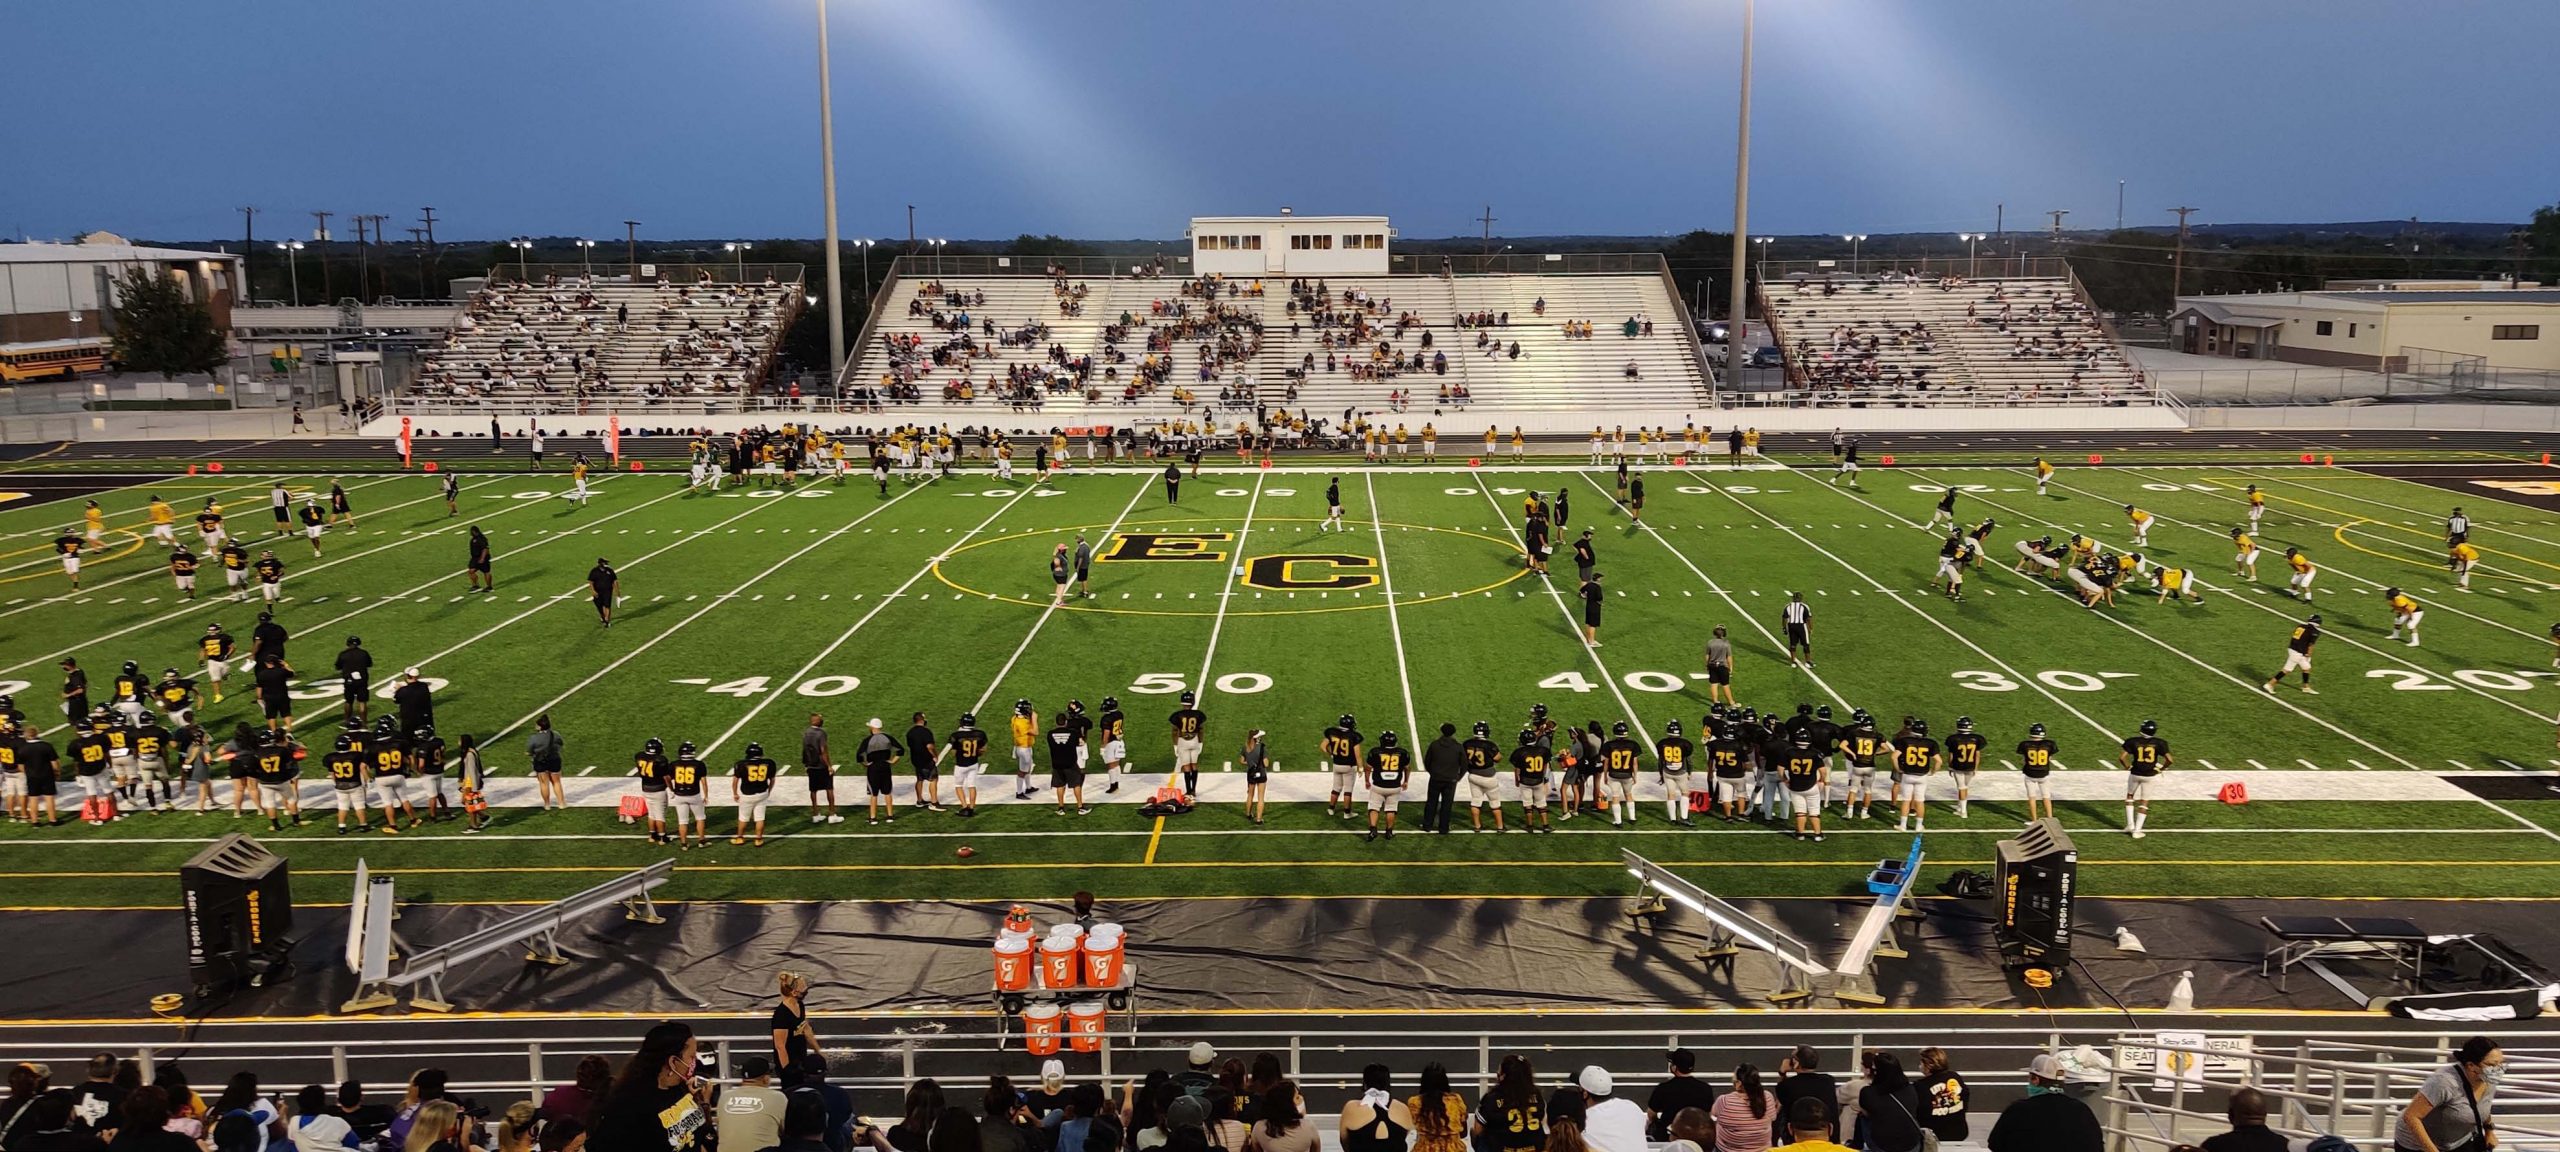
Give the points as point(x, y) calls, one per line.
point(1799, 621)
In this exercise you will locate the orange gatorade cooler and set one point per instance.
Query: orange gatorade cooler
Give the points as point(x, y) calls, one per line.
point(1084, 1025)
point(1040, 1029)
point(1059, 964)
point(1013, 964)
point(1102, 954)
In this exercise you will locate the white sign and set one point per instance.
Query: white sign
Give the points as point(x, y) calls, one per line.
point(2169, 1068)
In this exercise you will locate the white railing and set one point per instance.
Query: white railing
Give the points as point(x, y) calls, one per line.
point(2355, 1093)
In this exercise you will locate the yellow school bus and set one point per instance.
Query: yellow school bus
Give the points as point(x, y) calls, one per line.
point(49, 359)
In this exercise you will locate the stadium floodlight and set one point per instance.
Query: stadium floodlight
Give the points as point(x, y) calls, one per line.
point(587, 256)
point(292, 250)
point(1728, 925)
point(522, 245)
point(740, 248)
point(1854, 241)
point(866, 243)
point(1763, 242)
point(1970, 239)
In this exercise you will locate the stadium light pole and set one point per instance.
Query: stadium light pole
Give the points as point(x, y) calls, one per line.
point(866, 243)
point(587, 257)
point(521, 245)
point(1764, 242)
point(827, 161)
point(1854, 241)
point(1970, 239)
point(937, 255)
point(292, 250)
point(740, 248)
point(1737, 330)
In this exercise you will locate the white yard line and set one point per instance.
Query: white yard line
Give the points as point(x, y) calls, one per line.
point(1395, 628)
point(2433, 517)
point(215, 603)
point(250, 483)
point(1730, 602)
point(1916, 610)
point(159, 568)
point(2289, 617)
point(849, 633)
point(143, 531)
point(1572, 621)
point(1227, 587)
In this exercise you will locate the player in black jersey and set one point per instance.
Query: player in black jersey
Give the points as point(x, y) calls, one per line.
point(2297, 654)
point(1619, 760)
point(345, 767)
point(1915, 757)
point(1340, 747)
point(1113, 730)
point(968, 762)
point(1807, 772)
point(1672, 757)
point(1190, 728)
point(685, 776)
point(1482, 759)
point(1532, 764)
point(2036, 761)
point(1389, 768)
point(1860, 746)
point(650, 766)
point(750, 786)
point(2144, 758)
point(1964, 759)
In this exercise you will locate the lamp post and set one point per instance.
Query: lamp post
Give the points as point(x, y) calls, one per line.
point(1854, 241)
point(866, 243)
point(937, 256)
point(827, 160)
point(1741, 186)
point(740, 248)
point(1763, 242)
point(521, 245)
point(1970, 239)
point(587, 257)
point(292, 250)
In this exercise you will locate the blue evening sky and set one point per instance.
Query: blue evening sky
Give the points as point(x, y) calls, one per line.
point(1122, 118)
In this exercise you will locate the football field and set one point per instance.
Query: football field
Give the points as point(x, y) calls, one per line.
point(2415, 771)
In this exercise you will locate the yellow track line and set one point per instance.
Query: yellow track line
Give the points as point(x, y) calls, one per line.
point(1154, 838)
point(2355, 519)
point(41, 574)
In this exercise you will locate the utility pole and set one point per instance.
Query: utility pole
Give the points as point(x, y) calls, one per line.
point(364, 279)
point(320, 243)
point(248, 254)
point(631, 250)
point(2178, 257)
point(429, 257)
point(1487, 219)
point(2057, 214)
point(2119, 205)
point(911, 229)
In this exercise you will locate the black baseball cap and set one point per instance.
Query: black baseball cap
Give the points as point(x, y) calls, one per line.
point(1682, 1059)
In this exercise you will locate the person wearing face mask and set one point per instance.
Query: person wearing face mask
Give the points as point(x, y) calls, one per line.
point(2451, 1111)
point(655, 1101)
point(2047, 1120)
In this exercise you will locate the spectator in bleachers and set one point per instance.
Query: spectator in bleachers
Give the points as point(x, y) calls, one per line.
point(316, 1126)
point(440, 1127)
point(1439, 1113)
point(27, 1082)
point(1745, 1117)
point(1282, 1126)
point(143, 1123)
point(804, 1125)
point(2047, 1119)
point(1376, 1121)
point(655, 1101)
point(1680, 1090)
point(1611, 1123)
point(1945, 1094)
point(1889, 1108)
point(47, 1125)
point(922, 1108)
point(186, 1109)
point(812, 1080)
point(1008, 1126)
point(1565, 1135)
point(751, 1110)
point(1800, 1077)
point(241, 1095)
point(2249, 1131)
point(570, 1103)
point(1809, 1126)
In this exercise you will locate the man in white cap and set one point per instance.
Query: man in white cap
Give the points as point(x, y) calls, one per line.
point(1051, 1095)
point(415, 701)
point(1609, 1123)
point(2047, 1119)
point(878, 754)
point(1201, 1073)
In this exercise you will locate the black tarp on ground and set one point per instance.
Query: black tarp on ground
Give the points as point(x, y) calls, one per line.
point(1267, 955)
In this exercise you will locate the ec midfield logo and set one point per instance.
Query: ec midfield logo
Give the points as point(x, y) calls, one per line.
point(1276, 572)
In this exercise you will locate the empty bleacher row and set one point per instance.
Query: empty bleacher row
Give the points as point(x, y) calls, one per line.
point(577, 338)
point(1136, 346)
point(1897, 339)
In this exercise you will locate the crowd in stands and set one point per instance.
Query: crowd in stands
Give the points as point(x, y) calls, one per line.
point(664, 1096)
point(1880, 340)
point(579, 338)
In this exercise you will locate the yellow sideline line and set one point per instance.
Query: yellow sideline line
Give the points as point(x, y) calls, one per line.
point(1828, 898)
point(1154, 838)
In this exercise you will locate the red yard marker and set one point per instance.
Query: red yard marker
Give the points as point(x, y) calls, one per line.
point(429, 466)
point(1888, 460)
point(635, 465)
point(2307, 458)
point(191, 469)
point(2095, 458)
point(216, 466)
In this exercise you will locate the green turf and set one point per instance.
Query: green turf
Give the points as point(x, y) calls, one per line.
point(840, 600)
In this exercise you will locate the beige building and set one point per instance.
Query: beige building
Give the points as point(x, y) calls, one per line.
point(2378, 329)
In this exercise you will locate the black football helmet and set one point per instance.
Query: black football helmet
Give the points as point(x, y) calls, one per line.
point(653, 747)
point(968, 719)
point(1387, 739)
point(1022, 707)
point(423, 733)
point(2035, 730)
point(344, 743)
point(1670, 727)
point(1618, 729)
point(386, 726)
point(1537, 712)
point(1919, 727)
point(1189, 697)
point(2150, 727)
point(1075, 707)
point(1110, 703)
point(1964, 723)
point(1482, 730)
point(1528, 735)
point(754, 750)
point(1346, 722)
point(684, 749)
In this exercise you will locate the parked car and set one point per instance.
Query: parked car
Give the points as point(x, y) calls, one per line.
point(1768, 356)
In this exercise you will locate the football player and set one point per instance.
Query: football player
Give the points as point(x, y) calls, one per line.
point(1482, 759)
point(2144, 757)
point(270, 577)
point(164, 521)
point(2044, 474)
point(1915, 756)
point(313, 521)
point(1951, 559)
point(1190, 726)
point(2299, 584)
point(1860, 745)
point(968, 762)
point(2035, 765)
point(650, 765)
point(750, 786)
point(1808, 774)
point(2257, 508)
point(2177, 584)
point(1388, 765)
point(2297, 654)
point(1620, 758)
point(2461, 557)
point(1340, 747)
point(1964, 761)
point(685, 776)
point(1025, 729)
point(345, 768)
point(1729, 761)
point(1531, 761)
point(390, 756)
point(1672, 756)
point(2142, 521)
point(2405, 613)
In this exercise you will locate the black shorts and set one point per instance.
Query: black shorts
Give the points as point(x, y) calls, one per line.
point(41, 785)
point(237, 769)
point(1083, 575)
point(1797, 637)
point(354, 691)
point(1719, 673)
point(277, 708)
point(878, 779)
point(1067, 777)
point(282, 518)
point(822, 778)
point(1591, 615)
point(480, 566)
point(927, 769)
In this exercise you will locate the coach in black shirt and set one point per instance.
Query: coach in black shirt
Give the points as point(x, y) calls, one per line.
point(1443, 765)
point(601, 580)
point(267, 637)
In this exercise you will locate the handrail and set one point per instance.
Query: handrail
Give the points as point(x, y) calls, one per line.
point(544, 923)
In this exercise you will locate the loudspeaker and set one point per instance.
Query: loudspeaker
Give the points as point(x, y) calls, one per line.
point(2034, 878)
point(239, 903)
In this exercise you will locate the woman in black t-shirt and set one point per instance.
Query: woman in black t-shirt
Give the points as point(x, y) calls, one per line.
point(655, 1102)
point(1511, 1116)
point(792, 1035)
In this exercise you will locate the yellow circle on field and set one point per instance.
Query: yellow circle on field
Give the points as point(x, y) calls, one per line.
point(1072, 605)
